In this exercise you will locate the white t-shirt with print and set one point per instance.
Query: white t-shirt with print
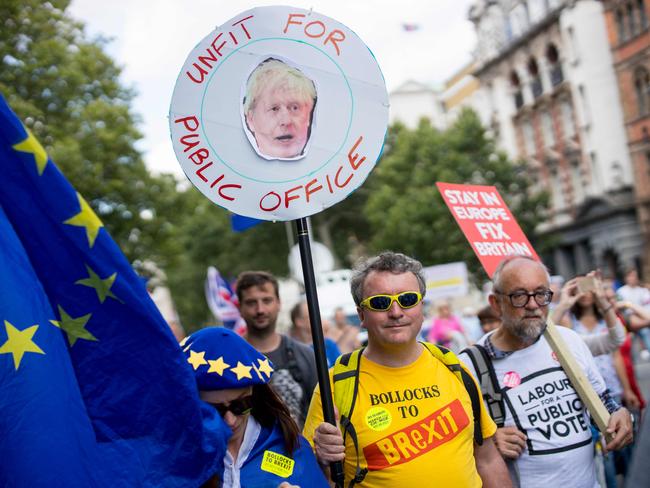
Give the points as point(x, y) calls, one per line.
point(541, 402)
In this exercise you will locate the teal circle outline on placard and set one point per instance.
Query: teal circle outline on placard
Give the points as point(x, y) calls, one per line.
point(336, 153)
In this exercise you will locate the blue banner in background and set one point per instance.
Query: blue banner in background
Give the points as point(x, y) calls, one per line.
point(94, 389)
point(241, 223)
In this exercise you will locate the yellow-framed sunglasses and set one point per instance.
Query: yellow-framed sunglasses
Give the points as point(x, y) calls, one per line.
point(381, 303)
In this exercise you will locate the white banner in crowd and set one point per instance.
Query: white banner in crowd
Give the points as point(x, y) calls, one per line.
point(446, 280)
point(279, 113)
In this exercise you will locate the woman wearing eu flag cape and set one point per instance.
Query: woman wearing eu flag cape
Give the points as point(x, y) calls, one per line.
point(266, 448)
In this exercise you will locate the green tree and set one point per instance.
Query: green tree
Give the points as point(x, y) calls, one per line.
point(204, 238)
point(67, 90)
point(404, 209)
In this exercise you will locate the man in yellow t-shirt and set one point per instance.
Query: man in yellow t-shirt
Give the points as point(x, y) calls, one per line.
point(412, 415)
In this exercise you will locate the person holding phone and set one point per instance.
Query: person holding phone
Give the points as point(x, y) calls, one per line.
point(593, 316)
point(584, 307)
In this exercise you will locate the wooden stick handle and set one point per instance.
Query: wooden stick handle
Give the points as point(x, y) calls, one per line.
point(579, 380)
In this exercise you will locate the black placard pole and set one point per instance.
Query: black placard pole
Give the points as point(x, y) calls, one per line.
point(302, 229)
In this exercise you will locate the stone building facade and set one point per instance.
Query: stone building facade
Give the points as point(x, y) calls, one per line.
point(628, 28)
point(547, 76)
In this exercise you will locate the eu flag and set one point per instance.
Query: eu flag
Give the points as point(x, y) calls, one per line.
point(94, 390)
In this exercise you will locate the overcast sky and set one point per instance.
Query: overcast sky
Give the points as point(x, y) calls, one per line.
point(152, 39)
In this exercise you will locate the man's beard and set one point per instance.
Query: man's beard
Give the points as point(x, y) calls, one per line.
point(261, 330)
point(528, 331)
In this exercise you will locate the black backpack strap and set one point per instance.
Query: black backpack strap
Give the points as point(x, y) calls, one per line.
point(475, 398)
point(292, 362)
point(487, 380)
point(348, 429)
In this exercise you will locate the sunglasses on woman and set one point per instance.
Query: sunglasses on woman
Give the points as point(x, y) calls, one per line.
point(239, 406)
point(381, 303)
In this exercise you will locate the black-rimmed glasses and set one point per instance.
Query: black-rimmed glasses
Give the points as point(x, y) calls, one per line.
point(520, 299)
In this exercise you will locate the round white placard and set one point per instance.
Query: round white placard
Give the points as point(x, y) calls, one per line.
point(279, 113)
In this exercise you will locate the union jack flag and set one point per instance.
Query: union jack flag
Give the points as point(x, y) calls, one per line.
point(410, 27)
point(222, 301)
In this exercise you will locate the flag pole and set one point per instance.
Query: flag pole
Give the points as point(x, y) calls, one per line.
point(302, 228)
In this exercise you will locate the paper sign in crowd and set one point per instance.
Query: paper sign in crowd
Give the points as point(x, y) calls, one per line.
point(487, 223)
point(279, 113)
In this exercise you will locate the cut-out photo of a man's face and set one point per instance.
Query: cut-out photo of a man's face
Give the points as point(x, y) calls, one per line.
point(278, 109)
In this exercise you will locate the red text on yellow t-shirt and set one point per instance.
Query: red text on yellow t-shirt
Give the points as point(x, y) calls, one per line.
point(418, 438)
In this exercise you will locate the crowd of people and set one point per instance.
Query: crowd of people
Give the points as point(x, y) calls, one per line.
point(470, 400)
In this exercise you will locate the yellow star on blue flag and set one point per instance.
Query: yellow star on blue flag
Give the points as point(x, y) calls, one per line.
point(75, 328)
point(32, 146)
point(88, 219)
point(106, 397)
point(19, 342)
point(101, 286)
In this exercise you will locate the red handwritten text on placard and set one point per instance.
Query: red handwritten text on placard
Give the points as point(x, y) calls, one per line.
point(331, 182)
point(315, 30)
point(200, 156)
point(205, 62)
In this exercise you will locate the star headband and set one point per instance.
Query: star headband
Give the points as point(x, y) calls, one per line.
point(222, 360)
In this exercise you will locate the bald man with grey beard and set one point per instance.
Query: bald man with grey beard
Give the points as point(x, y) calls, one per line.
point(545, 437)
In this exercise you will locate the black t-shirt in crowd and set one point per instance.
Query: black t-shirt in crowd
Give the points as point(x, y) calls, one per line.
point(294, 376)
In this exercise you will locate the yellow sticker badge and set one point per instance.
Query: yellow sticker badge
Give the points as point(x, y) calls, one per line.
point(275, 463)
point(378, 418)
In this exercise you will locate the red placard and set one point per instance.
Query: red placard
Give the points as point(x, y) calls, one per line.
point(487, 223)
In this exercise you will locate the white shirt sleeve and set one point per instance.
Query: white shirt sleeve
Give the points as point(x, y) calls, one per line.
point(584, 358)
point(606, 342)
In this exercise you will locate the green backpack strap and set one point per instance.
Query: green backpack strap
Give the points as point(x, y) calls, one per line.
point(449, 359)
point(346, 386)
